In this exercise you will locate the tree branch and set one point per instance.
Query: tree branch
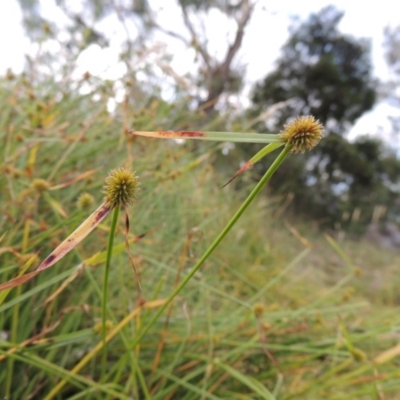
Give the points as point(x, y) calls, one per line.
point(189, 26)
point(219, 75)
point(170, 33)
point(247, 9)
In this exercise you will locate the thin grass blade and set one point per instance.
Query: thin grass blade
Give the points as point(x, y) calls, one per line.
point(75, 237)
point(387, 355)
point(256, 386)
point(257, 157)
point(19, 279)
point(77, 178)
point(65, 247)
point(100, 257)
point(238, 137)
point(55, 205)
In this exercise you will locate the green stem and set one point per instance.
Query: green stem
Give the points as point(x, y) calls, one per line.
point(263, 181)
point(105, 286)
point(14, 339)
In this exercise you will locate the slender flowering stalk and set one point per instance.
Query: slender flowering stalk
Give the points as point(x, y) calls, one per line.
point(105, 287)
point(121, 188)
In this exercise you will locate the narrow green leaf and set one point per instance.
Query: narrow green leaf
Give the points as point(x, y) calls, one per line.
point(265, 151)
point(257, 157)
point(65, 247)
point(239, 137)
point(249, 381)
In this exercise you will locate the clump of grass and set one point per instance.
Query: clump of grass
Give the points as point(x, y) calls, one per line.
point(260, 318)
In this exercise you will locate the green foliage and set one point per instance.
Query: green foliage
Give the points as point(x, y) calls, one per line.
point(390, 89)
point(327, 74)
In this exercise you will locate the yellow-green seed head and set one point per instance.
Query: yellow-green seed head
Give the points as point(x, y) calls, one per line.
point(121, 187)
point(303, 134)
point(40, 185)
point(258, 309)
point(85, 201)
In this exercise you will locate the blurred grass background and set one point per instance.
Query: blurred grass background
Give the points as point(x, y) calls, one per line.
point(280, 310)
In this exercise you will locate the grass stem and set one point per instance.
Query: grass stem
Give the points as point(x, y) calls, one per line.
point(111, 236)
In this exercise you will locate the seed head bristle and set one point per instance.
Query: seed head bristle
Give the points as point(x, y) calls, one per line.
point(121, 187)
point(303, 134)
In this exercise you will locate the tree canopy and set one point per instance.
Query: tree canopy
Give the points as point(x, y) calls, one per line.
point(213, 76)
point(327, 74)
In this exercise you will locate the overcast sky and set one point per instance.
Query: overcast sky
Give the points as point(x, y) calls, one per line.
point(264, 36)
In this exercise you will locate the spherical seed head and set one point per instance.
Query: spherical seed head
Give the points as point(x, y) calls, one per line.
point(121, 187)
point(304, 133)
point(258, 309)
point(40, 185)
point(85, 201)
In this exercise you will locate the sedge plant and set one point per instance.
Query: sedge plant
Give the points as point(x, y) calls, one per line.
point(299, 136)
point(121, 188)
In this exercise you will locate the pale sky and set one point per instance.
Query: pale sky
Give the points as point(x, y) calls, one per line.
point(264, 36)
